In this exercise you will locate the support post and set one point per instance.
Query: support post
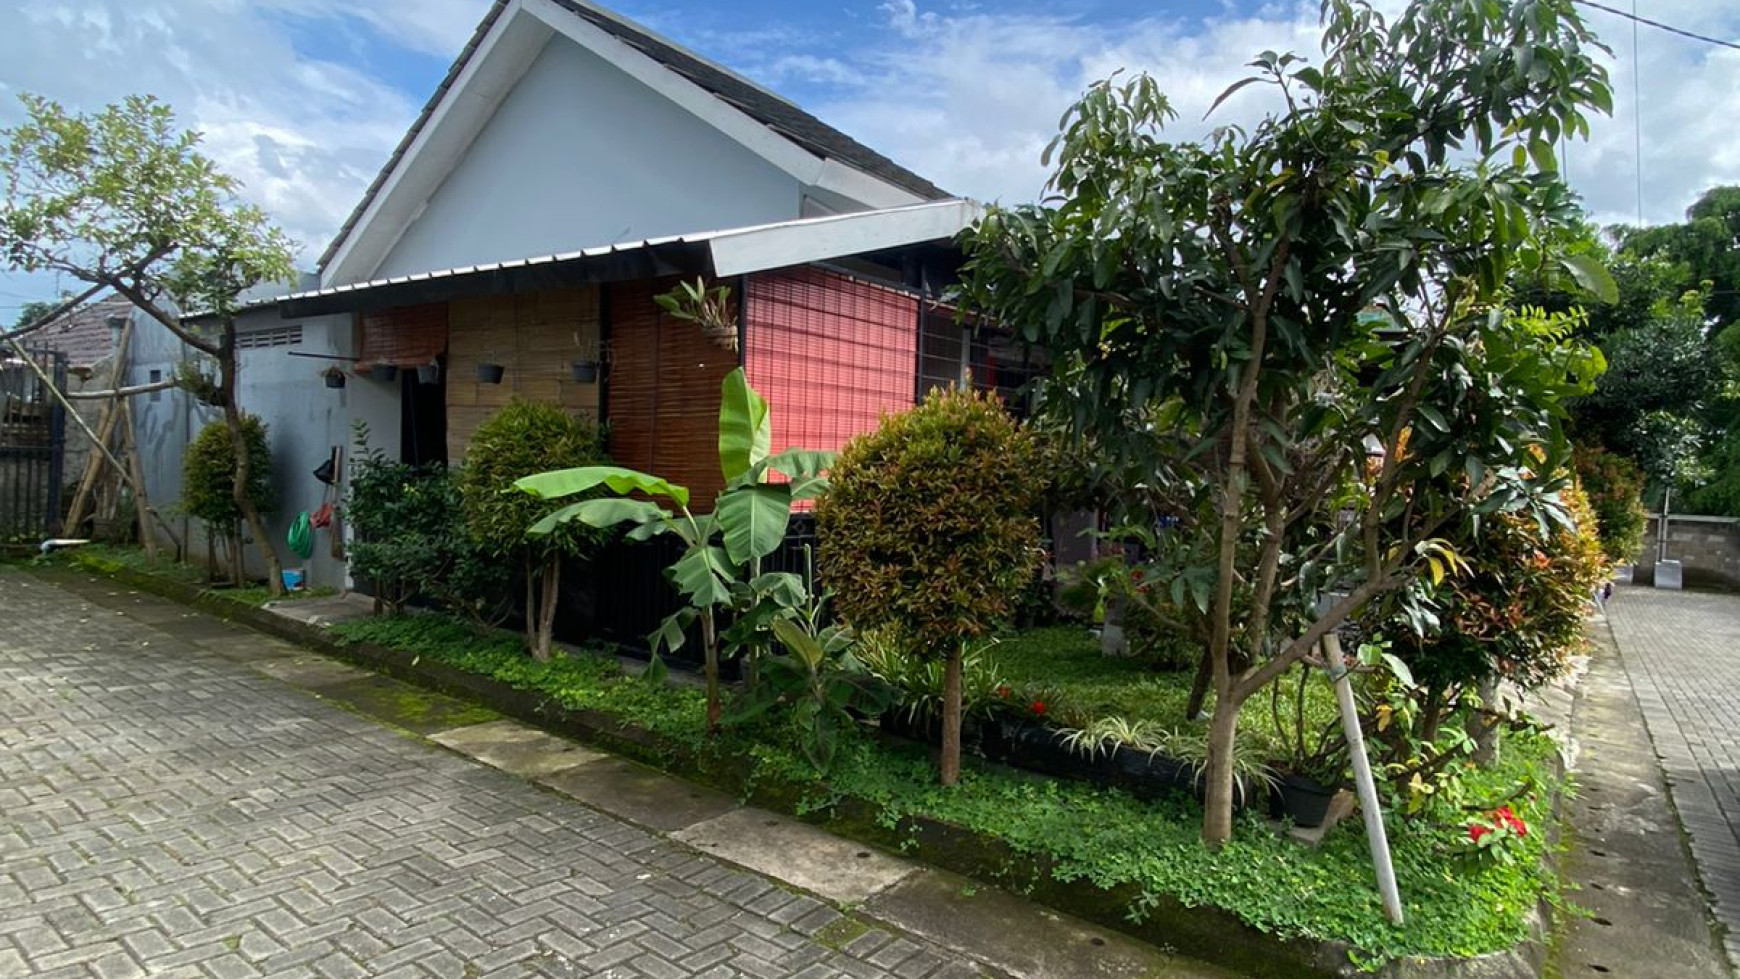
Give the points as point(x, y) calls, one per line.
point(1375, 835)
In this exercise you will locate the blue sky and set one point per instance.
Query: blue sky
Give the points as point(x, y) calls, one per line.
point(304, 99)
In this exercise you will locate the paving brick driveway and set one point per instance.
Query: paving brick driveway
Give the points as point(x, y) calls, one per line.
point(168, 811)
point(1682, 652)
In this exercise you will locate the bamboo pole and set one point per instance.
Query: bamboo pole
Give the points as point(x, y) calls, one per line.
point(141, 504)
point(60, 396)
point(105, 428)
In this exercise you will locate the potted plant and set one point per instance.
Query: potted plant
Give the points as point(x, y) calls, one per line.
point(429, 373)
point(383, 372)
point(585, 367)
point(490, 373)
point(333, 376)
point(1310, 776)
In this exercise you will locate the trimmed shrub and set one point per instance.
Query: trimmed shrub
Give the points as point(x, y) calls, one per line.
point(927, 528)
point(410, 537)
point(208, 473)
point(521, 439)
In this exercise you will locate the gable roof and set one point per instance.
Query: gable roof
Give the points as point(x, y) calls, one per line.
point(777, 114)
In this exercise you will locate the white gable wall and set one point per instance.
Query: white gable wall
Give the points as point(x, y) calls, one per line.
point(581, 154)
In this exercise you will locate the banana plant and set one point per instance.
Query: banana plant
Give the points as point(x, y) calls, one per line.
point(719, 568)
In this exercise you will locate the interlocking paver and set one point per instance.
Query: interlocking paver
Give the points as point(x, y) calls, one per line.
point(169, 810)
point(1682, 652)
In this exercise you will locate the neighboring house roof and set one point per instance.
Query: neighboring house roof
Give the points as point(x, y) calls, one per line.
point(775, 113)
point(84, 334)
point(729, 252)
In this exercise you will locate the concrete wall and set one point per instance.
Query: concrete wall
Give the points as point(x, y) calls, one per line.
point(303, 417)
point(1707, 547)
point(580, 154)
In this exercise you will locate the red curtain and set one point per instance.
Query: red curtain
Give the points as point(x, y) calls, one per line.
point(830, 354)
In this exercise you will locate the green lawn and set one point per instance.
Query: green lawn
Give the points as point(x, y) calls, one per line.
point(1063, 666)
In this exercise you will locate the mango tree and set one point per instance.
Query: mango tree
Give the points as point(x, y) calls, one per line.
point(722, 549)
point(1306, 315)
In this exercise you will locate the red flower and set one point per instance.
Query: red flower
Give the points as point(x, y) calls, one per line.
point(1476, 831)
point(1136, 575)
point(1510, 820)
point(1003, 691)
point(1039, 707)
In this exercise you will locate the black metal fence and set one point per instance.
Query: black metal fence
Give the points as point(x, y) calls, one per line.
point(622, 595)
point(32, 445)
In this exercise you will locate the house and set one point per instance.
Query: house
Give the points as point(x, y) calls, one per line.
point(571, 167)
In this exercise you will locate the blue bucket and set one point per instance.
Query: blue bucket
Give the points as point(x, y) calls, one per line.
point(293, 578)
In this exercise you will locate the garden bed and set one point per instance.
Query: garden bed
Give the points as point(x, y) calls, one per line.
point(1262, 904)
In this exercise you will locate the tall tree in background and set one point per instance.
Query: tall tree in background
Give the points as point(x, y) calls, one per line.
point(123, 199)
point(1285, 305)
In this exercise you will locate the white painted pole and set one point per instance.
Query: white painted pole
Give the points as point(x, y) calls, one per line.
point(1375, 836)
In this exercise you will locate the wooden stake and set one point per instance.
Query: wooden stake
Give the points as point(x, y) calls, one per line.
point(105, 430)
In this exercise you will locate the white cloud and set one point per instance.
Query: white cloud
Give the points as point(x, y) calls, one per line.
point(970, 99)
point(304, 135)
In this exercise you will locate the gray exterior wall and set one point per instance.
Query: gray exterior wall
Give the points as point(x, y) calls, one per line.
point(303, 417)
point(1708, 548)
point(581, 154)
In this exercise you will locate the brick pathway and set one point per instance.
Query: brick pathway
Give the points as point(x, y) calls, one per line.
point(1682, 653)
point(168, 811)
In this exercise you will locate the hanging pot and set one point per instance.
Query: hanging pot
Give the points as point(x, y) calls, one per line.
point(490, 373)
point(429, 374)
point(334, 379)
point(585, 371)
point(383, 372)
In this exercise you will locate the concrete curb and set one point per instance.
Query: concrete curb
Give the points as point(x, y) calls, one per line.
point(1207, 933)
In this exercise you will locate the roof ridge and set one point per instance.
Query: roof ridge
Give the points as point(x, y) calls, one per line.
point(776, 112)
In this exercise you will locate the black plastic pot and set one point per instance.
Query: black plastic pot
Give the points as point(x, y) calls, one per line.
point(1149, 776)
point(429, 374)
point(490, 373)
point(335, 379)
point(383, 372)
point(1303, 800)
point(585, 371)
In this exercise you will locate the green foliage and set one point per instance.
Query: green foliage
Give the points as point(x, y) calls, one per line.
point(720, 566)
point(918, 679)
point(1455, 907)
point(520, 439)
point(819, 681)
point(1243, 320)
point(410, 537)
point(1614, 485)
point(208, 473)
point(1706, 248)
point(928, 526)
point(121, 196)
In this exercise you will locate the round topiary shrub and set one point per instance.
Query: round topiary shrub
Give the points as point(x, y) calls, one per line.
point(523, 438)
point(928, 527)
point(208, 473)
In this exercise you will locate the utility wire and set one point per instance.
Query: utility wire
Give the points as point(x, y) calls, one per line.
point(1658, 25)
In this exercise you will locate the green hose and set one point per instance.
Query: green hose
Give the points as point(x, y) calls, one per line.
point(301, 536)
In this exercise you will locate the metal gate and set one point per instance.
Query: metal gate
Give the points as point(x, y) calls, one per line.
point(32, 445)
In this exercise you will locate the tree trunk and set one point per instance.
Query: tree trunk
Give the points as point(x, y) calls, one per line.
point(949, 764)
point(1199, 686)
point(238, 569)
point(1482, 727)
point(239, 445)
point(710, 653)
point(1222, 732)
point(531, 618)
point(552, 575)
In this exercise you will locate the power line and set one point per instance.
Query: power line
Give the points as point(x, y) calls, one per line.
point(1658, 25)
